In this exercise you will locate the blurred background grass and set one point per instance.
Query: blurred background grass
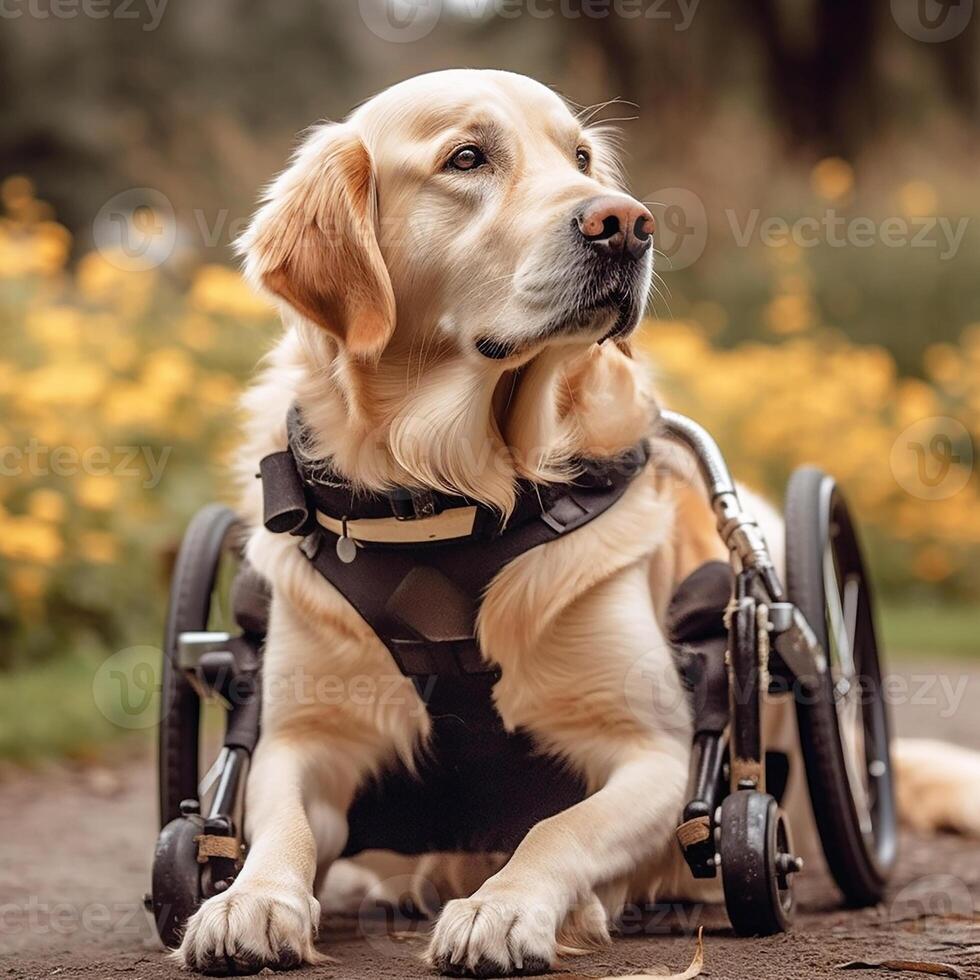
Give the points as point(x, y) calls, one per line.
point(163, 125)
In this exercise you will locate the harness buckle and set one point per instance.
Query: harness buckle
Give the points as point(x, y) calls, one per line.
point(411, 505)
point(565, 514)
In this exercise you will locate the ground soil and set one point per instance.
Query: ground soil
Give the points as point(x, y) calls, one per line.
point(75, 848)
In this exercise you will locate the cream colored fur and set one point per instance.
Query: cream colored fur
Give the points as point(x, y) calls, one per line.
point(388, 269)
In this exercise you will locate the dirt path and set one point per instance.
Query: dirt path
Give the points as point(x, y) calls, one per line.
point(75, 850)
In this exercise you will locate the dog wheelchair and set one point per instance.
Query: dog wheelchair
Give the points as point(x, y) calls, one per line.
point(812, 639)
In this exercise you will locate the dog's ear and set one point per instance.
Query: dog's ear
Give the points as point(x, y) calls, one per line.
point(314, 241)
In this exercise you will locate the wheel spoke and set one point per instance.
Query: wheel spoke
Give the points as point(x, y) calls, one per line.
point(852, 741)
point(840, 635)
point(852, 599)
point(211, 776)
point(842, 620)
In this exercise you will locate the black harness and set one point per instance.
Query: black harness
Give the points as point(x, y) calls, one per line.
point(422, 600)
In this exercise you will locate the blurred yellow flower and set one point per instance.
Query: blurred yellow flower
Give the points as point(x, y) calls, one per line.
point(218, 289)
point(115, 283)
point(97, 492)
point(917, 198)
point(944, 364)
point(47, 505)
point(832, 178)
point(128, 405)
point(121, 353)
point(64, 383)
point(915, 400)
point(52, 244)
point(789, 313)
point(169, 371)
point(55, 326)
point(15, 192)
point(219, 390)
point(27, 583)
point(27, 538)
point(98, 547)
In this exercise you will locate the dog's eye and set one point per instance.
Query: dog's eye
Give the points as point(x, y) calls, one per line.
point(466, 158)
point(584, 159)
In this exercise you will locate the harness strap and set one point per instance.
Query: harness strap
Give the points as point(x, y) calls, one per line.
point(422, 599)
point(423, 602)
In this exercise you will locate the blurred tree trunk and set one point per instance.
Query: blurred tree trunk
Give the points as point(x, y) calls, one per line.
point(618, 55)
point(821, 86)
point(957, 63)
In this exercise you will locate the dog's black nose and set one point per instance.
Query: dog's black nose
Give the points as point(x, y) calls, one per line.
point(616, 225)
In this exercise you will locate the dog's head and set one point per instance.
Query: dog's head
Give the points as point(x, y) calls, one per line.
point(467, 210)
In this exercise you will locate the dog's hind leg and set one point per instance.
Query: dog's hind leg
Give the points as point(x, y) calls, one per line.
point(937, 786)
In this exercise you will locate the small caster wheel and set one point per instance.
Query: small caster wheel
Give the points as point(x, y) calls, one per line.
point(176, 877)
point(756, 863)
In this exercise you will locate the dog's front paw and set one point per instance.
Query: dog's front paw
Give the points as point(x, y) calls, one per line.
point(250, 927)
point(493, 936)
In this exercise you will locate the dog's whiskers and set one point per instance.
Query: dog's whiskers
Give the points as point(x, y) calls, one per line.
point(588, 113)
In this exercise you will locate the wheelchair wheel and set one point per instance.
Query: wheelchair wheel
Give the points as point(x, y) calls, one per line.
point(843, 722)
point(757, 863)
point(211, 540)
point(177, 888)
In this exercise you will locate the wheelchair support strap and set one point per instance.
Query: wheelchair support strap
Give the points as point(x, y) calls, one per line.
point(211, 845)
point(696, 627)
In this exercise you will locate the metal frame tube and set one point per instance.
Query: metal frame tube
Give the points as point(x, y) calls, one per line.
point(738, 529)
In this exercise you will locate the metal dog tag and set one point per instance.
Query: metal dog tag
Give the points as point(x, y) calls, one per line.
point(346, 549)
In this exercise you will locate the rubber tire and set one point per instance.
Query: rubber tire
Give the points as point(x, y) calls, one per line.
point(860, 874)
point(747, 846)
point(207, 537)
point(176, 889)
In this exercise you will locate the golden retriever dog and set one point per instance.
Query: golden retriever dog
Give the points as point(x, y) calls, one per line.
point(458, 270)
